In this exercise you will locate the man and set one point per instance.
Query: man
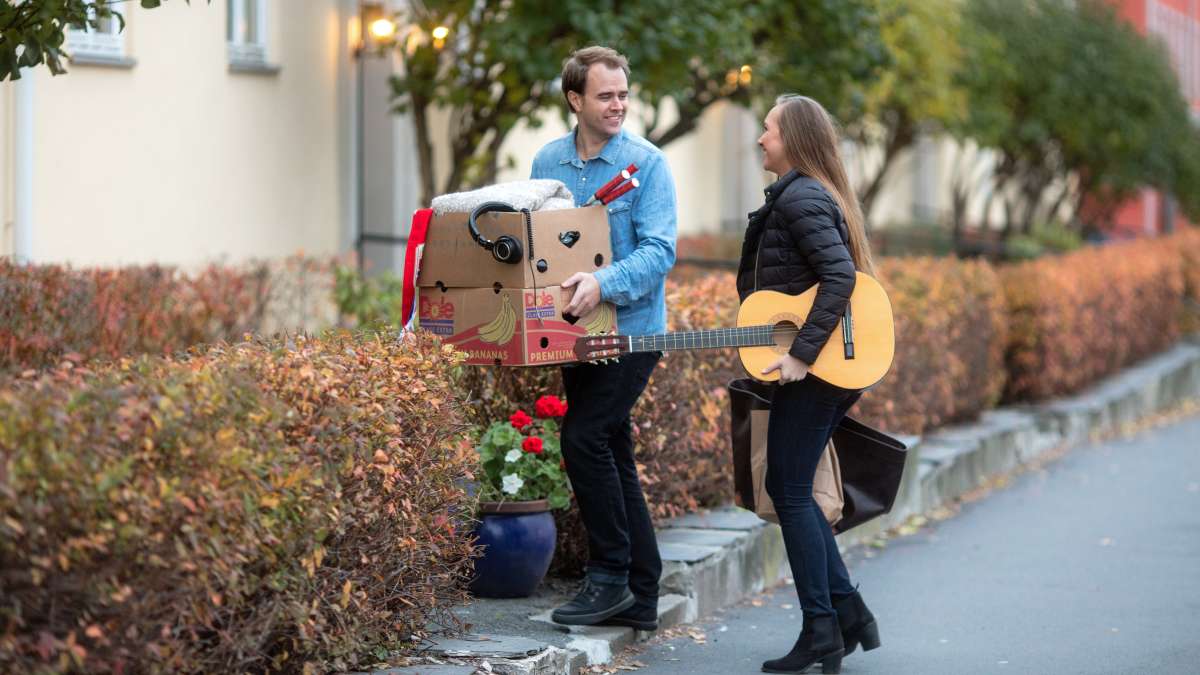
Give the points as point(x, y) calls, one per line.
point(624, 566)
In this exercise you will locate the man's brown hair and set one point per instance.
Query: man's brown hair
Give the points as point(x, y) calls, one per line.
point(575, 68)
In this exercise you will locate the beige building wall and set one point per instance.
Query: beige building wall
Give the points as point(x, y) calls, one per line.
point(179, 160)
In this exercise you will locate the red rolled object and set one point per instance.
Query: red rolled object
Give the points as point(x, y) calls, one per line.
point(617, 180)
point(608, 198)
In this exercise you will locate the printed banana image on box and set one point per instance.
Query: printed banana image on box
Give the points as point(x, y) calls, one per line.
point(511, 327)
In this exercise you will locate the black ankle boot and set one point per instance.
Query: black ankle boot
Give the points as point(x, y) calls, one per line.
point(595, 603)
point(820, 640)
point(642, 615)
point(856, 622)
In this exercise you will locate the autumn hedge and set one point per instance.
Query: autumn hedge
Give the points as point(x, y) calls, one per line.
point(951, 332)
point(294, 506)
point(50, 312)
point(1076, 318)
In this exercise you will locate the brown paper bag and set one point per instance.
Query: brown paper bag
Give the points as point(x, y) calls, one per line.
point(827, 483)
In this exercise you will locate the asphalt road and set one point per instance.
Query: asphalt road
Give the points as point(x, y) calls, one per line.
point(1089, 565)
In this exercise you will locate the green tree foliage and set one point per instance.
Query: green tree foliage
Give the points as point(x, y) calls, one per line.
point(916, 89)
point(830, 50)
point(1078, 105)
point(32, 32)
point(499, 63)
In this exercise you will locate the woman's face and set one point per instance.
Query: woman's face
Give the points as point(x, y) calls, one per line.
point(771, 142)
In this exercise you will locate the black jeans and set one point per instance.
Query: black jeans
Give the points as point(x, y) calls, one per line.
point(597, 444)
point(803, 417)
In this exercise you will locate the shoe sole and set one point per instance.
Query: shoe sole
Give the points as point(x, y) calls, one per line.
point(647, 626)
point(595, 617)
point(831, 664)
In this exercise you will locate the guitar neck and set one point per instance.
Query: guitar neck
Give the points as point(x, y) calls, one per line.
point(746, 336)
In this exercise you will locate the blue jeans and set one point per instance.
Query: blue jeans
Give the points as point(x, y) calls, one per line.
point(803, 417)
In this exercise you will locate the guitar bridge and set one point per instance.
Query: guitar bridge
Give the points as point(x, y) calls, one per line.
point(848, 334)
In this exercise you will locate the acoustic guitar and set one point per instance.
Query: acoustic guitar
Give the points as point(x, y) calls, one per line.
point(857, 355)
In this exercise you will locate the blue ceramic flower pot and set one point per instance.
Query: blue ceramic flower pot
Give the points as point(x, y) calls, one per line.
point(518, 543)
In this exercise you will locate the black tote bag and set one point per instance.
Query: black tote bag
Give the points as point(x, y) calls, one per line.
point(872, 462)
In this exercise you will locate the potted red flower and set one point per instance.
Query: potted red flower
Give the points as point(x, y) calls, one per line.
point(522, 478)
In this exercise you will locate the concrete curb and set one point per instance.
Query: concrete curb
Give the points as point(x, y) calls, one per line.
point(716, 558)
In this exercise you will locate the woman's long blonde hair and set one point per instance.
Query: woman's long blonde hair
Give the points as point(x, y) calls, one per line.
point(810, 140)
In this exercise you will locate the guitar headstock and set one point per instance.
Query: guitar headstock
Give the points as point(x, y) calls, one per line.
point(601, 347)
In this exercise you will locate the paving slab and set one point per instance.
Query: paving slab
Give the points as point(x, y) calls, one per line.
point(686, 553)
point(485, 646)
point(693, 537)
point(728, 518)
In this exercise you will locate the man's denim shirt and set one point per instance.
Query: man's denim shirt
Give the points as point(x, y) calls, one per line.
point(641, 223)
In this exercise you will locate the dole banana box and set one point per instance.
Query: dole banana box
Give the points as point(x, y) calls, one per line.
point(510, 327)
point(563, 242)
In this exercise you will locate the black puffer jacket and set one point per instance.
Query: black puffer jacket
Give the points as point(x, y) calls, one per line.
point(802, 235)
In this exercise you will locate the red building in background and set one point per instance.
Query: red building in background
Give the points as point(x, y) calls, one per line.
point(1177, 24)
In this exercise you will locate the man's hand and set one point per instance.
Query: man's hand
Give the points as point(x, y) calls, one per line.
point(791, 369)
point(586, 296)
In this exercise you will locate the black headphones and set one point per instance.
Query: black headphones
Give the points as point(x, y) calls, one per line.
point(505, 249)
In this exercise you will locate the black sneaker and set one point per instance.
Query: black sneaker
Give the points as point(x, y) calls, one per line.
point(595, 603)
point(641, 616)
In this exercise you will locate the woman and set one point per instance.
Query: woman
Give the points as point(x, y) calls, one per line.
point(809, 231)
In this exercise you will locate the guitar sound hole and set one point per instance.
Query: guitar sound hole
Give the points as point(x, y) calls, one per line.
point(783, 334)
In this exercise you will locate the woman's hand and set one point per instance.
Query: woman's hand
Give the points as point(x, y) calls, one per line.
point(791, 369)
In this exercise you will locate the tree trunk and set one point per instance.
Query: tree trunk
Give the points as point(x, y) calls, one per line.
point(1035, 187)
point(424, 151)
point(900, 137)
point(999, 181)
point(460, 153)
point(685, 125)
point(1058, 202)
point(491, 165)
point(1010, 219)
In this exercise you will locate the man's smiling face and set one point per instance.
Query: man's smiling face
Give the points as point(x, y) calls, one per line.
point(601, 109)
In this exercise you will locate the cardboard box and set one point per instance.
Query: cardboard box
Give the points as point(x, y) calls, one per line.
point(564, 242)
point(510, 327)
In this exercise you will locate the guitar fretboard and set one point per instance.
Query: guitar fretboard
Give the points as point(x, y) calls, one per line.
point(746, 336)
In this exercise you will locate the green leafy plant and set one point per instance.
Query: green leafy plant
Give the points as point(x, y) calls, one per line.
point(38, 29)
point(373, 302)
point(521, 457)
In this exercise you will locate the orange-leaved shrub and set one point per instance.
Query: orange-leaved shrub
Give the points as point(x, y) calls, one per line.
point(1188, 241)
point(681, 422)
point(950, 336)
point(53, 311)
point(294, 505)
point(1077, 317)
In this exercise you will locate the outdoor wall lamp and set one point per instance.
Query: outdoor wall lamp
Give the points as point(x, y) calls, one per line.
point(375, 27)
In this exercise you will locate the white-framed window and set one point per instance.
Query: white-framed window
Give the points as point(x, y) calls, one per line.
point(246, 31)
point(105, 41)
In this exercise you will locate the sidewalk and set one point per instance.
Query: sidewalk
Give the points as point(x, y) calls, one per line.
point(715, 558)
